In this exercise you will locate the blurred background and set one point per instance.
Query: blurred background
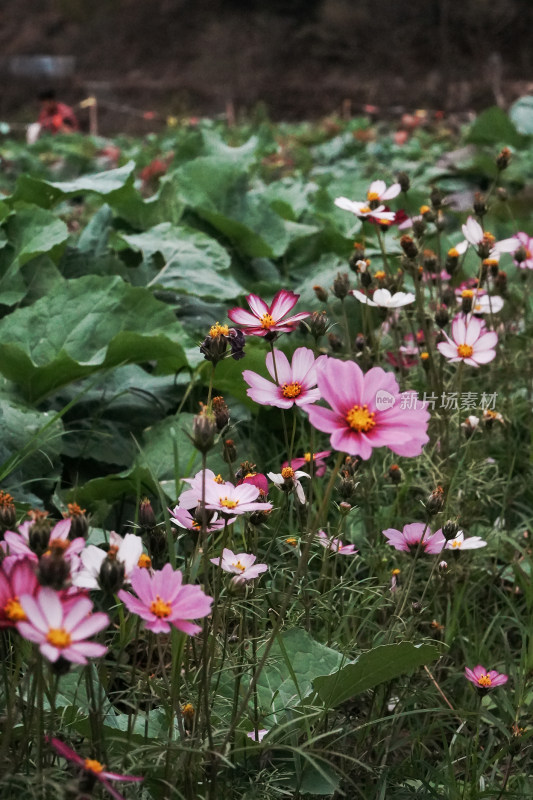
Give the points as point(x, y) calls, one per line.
point(294, 58)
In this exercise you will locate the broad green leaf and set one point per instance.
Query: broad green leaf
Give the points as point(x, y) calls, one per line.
point(492, 127)
point(88, 324)
point(244, 155)
point(372, 668)
point(195, 263)
point(47, 193)
point(33, 231)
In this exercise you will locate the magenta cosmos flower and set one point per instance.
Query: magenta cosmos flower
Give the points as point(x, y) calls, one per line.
point(470, 342)
point(412, 535)
point(92, 768)
point(294, 383)
point(267, 320)
point(485, 679)
point(15, 581)
point(319, 465)
point(162, 600)
point(366, 411)
point(526, 248)
point(335, 544)
point(17, 545)
point(62, 630)
point(241, 565)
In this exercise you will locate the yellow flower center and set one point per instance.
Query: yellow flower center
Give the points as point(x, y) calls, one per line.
point(160, 608)
point(14, 611)
point(464, 350)
point(453, 253)
point(292, 541)
point(484, 680)
point(145, 562)
point(424, 356)
point(308, 457)
point(218, 330)
point(239, 566)
point(228, 503)
point(291, 390)
point(365, 210)
point(490, 262)
point(395, 571)
point(58, 637)
point(287, 472)
point(74, 510)
point(267, 322)
point(467, 293)
point(359, 418)
point(188, 711)
point(528, 253)
point(380, 275)
point(218, 478)
point(250, 474)
point(456, 544)
point(93, 765)
point(489, 237)
point(424, 209)
point(370, 196)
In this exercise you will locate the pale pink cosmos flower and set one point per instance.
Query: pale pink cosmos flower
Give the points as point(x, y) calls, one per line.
point(163, 600)
point(319, 464)
point(127, 551)
point(192, 497)
point(295, 383)
point(363, 210)
point(288, 480)
point(526, 242)
point(336, 545)
point(16, 579)
point(475, 235)
point(229, 499)
point(460, 543)
point(184, 519)
point(17, 545)
point(241, 565)
point(485, 679)
point(366, 411)
point(92, 767)
point(414, 535)
point(62, 629)
point(260, 734)
point(384, 299)
point(268, 320)
point(470, 342)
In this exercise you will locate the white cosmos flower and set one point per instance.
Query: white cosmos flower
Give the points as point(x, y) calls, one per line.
point(474, 235)
point(460, 543)
point(384, 299)
point(363, 209)
point(127, 551)
point(487, 304)
point(289, 479)
point(378, 191)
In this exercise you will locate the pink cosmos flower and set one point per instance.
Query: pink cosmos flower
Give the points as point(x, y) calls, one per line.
point(18, 544)
point(60, 629)
point(242, 565)
point(192, 497)
point(229, 499)
point(295, 383)
point(366, 411)
point(256, 479)
point(485, 679)
point(92, 768)
point(162, 600)
point(183, 518)
point(319, 465)
point(411, 536)
point(336, 545)
point(267, 320)
point(470, 342)
point(526, 242)
point(16, 580)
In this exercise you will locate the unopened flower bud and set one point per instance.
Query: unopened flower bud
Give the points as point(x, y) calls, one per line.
point(146, 514)
point(79, 524)
point(419, 226)
point(188, 714)
point(435, 501)
point(344, 507)
point(221, 412)
point(450, 529)
point(501, 282)
point(409, 247)
point(360, 342)
point(429, 261)
point(203, 430)
point(318, 324)
point(347, 488)
point(321, 293)
point(53, 569)
point(520, 255)
point(502, 194)
point(442, 316)
point(111, 575)
point(436, 197)
point(335, 342)
point(503, 159)
point(480, 204)
point(230, 451)
point(416, 607)
point(366, 279)
point(404, 181)
point(467, 298)
point(8, 513)
point(39, 532)
point(470, 425)
point(443, 566)
point(341, 285)
point(394, 473)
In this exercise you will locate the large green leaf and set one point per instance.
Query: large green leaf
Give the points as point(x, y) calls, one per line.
point(47, 193)
point(195, 263)
point(492, 127)
point(218, 192)
point(372, 668)
point(86, 325)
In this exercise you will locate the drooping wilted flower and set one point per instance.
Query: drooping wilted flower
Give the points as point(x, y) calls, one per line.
point(92, 770)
